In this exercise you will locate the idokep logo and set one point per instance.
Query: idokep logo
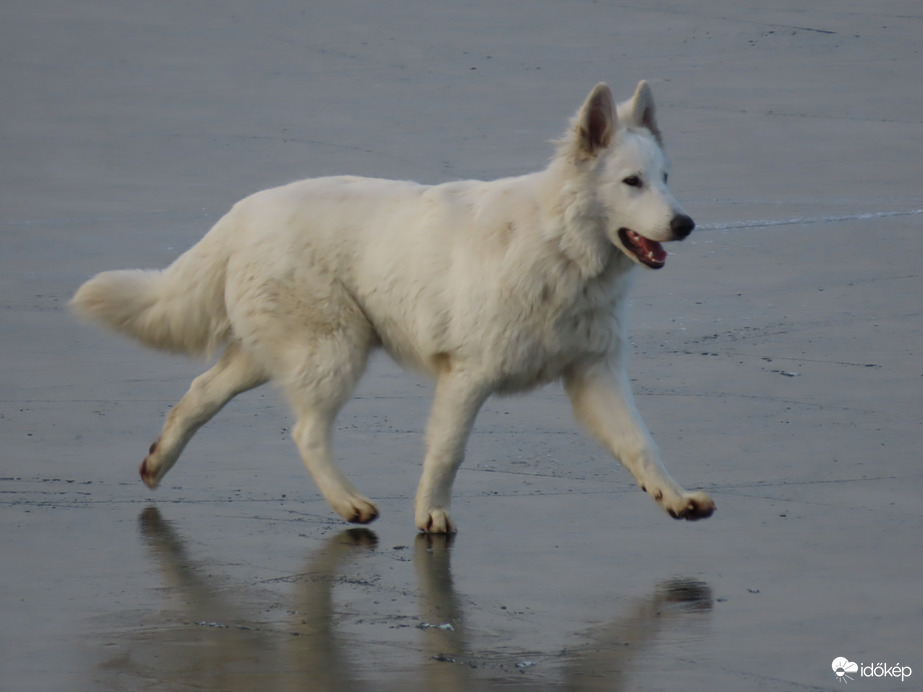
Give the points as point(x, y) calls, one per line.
point(842, 667)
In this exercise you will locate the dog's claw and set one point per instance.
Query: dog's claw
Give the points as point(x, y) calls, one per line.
point(150, 479)
point(437, 521)
point(690, 506)
point(359, 510)
point(698, 506)
point(363, 517)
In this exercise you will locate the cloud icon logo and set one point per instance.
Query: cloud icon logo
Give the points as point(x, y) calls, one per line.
point(841, 666)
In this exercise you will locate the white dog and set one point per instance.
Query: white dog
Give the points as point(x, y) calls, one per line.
point(489, 287)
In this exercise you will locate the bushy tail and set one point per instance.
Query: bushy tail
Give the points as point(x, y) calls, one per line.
point(180, 309)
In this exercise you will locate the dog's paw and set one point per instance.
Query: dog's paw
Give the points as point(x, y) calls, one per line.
point(150, 468)
point(693, 506)
point(436, 521)
point(357, 509)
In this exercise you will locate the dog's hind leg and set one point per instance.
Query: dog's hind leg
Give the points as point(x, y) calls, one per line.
point(320, 383)
point(313, 435)
point(455, 406)
point(603, 402)
point(236, 371)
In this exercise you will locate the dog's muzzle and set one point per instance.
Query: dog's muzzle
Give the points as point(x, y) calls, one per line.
point(649, 252)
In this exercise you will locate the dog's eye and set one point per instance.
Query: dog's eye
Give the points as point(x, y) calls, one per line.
point(633, 181)
point(666, 177)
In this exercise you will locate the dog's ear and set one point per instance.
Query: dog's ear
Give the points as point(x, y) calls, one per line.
point(596, 121)
point(640, 111)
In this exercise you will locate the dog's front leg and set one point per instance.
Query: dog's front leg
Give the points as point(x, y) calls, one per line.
point(456, 404)
point(602, 401)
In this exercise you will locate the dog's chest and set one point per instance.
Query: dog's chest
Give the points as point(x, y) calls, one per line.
point(543, 343)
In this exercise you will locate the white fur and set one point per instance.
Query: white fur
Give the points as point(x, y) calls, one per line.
point(489, 287)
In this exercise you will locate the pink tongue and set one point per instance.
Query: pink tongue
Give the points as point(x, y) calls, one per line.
point(651, 247)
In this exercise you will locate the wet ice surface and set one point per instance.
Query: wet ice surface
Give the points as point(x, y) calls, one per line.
point(796, 139)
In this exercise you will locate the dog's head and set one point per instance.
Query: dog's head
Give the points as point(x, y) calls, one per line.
point(620, 147)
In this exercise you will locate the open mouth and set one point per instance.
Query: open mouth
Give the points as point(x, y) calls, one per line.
point(650, 253)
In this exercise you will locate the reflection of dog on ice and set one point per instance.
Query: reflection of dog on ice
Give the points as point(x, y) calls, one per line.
point(490, 287)
point(320, 657)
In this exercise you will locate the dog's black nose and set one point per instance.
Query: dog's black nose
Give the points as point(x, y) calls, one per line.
point(681, 226)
